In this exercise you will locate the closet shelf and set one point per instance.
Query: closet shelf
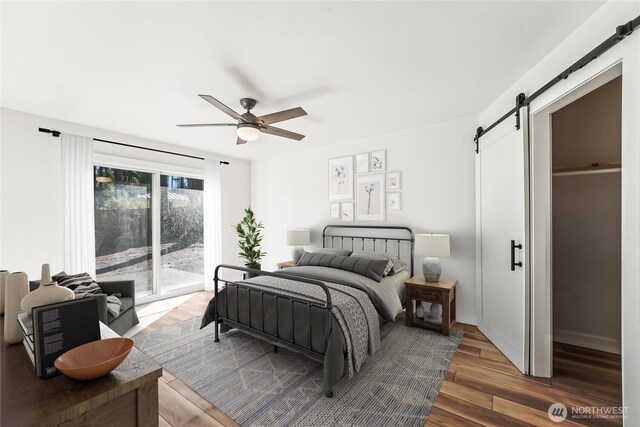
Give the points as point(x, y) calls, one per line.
point(588, 169)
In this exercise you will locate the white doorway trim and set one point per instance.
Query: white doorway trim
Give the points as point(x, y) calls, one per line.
point(626, 57)
point(541, 222)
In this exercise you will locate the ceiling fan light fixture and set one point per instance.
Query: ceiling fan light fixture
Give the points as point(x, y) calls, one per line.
point(248, 132)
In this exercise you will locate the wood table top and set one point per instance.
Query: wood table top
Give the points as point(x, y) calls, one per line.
point(30, 400)
point(441, 284)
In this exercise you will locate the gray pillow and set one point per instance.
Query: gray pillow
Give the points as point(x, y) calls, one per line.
point(398, 265)
point(367, 267)
point(331, 251)
point(376, 256)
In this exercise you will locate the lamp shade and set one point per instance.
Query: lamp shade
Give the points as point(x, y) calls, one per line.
point(298, 237)
point(432, 245)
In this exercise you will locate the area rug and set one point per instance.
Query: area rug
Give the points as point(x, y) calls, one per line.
point(243, 377)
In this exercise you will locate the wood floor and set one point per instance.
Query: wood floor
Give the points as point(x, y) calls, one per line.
point(481, 387)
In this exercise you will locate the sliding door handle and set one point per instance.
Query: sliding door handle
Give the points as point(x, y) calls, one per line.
point(513, 255)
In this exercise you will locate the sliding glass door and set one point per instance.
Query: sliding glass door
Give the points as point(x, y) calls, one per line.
point(149, 228)
point(124, 226)
point(181, 232)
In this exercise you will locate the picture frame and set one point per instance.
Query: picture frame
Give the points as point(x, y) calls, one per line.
point(394, 181)
point(394, 201)
point(347, 211)
point(362, 163)
point(370, 197)
point(379, 161)
point(340, 178)
point(334, 210)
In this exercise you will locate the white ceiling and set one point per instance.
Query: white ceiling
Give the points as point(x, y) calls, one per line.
point(359, 69)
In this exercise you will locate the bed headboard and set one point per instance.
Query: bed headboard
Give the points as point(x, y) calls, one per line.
point(375, 238)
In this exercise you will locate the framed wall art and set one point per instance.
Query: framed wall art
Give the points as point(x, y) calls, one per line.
point(379, 161)
point(362, 163)
point(394, 181)
point(347, 211)
point(334, 210)
point(341, 178)
point(394, 201)
point(370, 197)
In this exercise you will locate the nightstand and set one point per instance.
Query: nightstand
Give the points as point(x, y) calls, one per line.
point(442, 292)
point(286, 264)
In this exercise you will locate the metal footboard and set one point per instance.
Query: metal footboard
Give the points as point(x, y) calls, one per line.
point(254, 321)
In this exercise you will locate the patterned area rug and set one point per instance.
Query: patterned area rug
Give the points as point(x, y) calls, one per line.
point(243, 377)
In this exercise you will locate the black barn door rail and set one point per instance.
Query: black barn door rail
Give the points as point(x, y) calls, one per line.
point(622, 31)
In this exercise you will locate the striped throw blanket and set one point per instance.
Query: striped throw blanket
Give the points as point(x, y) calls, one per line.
point(83, 285)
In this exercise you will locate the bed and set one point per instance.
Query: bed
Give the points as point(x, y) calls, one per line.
point(330, 309)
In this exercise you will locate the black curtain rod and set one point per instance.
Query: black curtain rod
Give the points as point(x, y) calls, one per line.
point(622, 31)
point(56, 133)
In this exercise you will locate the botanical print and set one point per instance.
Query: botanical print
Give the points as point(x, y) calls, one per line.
point(370, 193)
point(394, 201)
point(347, 211)
point(393, 181)
point(335, 210)
point(378, 161)
point(362, 163)
point(341, 178)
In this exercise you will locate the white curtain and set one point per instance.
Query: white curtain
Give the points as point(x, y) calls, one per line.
point(212, 221)
point(77, 181)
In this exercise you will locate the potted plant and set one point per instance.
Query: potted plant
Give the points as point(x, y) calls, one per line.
point(249, 232)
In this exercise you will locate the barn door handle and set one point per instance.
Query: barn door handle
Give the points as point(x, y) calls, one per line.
point(513, 255)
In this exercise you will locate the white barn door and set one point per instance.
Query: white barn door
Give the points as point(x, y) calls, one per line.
point(502, 233)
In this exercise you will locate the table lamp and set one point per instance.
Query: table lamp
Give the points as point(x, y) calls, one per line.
point(432, 247)
point(297, 239)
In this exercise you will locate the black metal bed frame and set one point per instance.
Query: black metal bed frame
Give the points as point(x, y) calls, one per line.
point(410, 238)
point(245, 324)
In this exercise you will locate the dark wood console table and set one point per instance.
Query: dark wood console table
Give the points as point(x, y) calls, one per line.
point(128, 396)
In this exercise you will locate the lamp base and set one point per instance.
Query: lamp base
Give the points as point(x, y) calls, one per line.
point(435, 313)
point(431, 269)
point(296, 253)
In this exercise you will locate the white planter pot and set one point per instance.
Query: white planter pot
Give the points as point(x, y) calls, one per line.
point(46, 294)
point(3, 280)
point(16, 288)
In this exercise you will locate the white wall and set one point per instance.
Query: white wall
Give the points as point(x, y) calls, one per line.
point(438, 195)
point(594, 31)
point(31, 214)
point(597, 28)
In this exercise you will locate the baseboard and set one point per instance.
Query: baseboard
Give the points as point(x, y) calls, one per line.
point(593, 342)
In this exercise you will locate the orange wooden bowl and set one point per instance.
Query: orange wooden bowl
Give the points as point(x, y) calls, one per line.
point(95, 359)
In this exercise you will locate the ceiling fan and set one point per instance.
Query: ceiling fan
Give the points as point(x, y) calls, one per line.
point(249, 127)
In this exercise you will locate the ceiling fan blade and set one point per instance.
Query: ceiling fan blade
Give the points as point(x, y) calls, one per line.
point(240, 141)
point(281, 132)
point(206, 125)
point(281, 116)
point(219, 105)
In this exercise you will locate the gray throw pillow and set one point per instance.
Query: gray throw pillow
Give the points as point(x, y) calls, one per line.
point(332, 251)
point(367, 267)
point(398, 266)
point(376, 256)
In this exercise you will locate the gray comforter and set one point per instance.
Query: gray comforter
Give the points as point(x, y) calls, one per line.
point(383, 296)
point(354, 334)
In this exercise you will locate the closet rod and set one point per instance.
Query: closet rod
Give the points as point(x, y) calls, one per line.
point(592, 172)
point(622, 31)
point(56, 133)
